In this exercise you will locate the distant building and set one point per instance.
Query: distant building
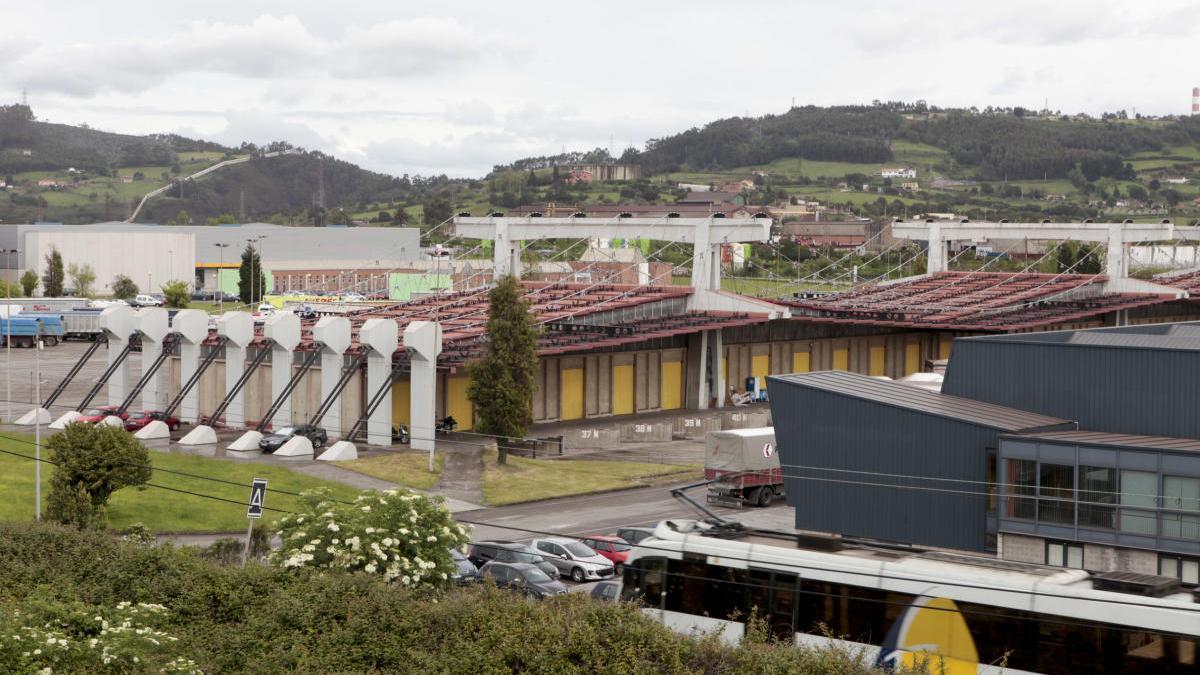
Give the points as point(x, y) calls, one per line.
point(710, 197)
point(898, 173)
point(126, 179)
point(694, 187)
point(27, 153)
point(609, 172)
point(579, 176)
point(911, 186)
point(1175, 180)
point(47, 182)
point(738, 186)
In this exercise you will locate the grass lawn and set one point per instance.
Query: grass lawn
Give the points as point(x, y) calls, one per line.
point(406, 467)
point(524, 480)
point(163, 510)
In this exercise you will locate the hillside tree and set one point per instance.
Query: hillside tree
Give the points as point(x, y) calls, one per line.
point(124, 288)
point(82, 278)
point(90, 463)
point(52, 278)
point(437, 210)
point(502, 381)
point(251, 280)
point(29, 283)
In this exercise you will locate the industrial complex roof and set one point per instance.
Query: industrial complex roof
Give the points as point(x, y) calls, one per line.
point(988, 301)
point(1174, 336)
point(1136, 340)
point(908, 397)
point(1081, 437)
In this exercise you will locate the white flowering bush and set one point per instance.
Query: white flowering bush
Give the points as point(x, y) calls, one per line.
point(55, 637)
point(404, 537)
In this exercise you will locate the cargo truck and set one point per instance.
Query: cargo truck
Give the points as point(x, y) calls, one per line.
point(77, 324)
point(25, 330)
point(744, 467)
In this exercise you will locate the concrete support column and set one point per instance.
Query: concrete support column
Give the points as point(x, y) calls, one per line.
point(284, 331)
point(118, 324)
point(423, 342)
point(1115, 263)
point(697, 393)
point(936, 260)
point(238, 330)
point(192, 327)
point(333, 334)
point(382, 336)
point(153, 326)
point(716, 348)
point(706, 259)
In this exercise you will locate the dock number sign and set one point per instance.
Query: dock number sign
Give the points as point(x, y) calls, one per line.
point(258, 494)
point(768, 450)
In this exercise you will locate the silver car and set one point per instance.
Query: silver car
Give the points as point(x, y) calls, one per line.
point(574, 559)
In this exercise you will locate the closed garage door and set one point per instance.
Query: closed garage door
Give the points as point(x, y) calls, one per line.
point(672, 385)
point(458, 405)
point(572, 394)
point(622, 389)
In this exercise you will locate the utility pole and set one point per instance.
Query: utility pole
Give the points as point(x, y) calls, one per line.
point(8, 334)
point(37, 431)
point(221, 267)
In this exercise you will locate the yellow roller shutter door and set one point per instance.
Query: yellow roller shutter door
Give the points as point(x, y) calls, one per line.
point(672, 385)
point(878, 365)
point(401, 404)
point(571, 394)
point(622, 389)
point(841, 359)
point(801, 362)
point(458, 405)
point(912, 358)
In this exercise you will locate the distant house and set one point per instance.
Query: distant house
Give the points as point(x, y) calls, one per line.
point(610, 172)
point(579, 176)
point(1175, 180)
point(738, 186)
point(694, 187)
point(898, 173)
point(47, 182)
point(27, 153)
point(126, 179)
point(911, 186)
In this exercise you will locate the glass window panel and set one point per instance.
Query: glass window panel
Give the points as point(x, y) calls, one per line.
point(1180, 526)
point(1181, 493)
point(1058, 481)
point(1075, 557)
point(1054, 555)
point(1138, 522)
point(1190, 572)
point(1056, 511)
point(1168, 567)
point(1097, 489)
point(1021, 476)
point(1139, 488)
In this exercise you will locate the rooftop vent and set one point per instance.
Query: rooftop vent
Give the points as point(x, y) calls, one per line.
point(673, 214)
point(496, 214)
point(464, 214)
point(1136, 584)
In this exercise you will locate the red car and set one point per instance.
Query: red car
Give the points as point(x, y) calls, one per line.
point(615, 549)
point(98, 414)
point(138, 420)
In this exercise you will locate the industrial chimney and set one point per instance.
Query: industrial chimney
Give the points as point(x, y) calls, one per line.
point(1196, 100)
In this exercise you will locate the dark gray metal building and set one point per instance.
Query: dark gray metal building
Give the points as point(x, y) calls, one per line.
point(1142, 380)
point(874, 458)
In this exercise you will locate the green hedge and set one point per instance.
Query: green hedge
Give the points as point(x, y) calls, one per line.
point(263, 619)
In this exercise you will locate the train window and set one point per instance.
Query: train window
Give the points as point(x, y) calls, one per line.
point(1064, 554)
point(644, 581)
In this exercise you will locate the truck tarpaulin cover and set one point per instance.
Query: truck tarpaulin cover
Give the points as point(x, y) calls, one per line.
point(739, 450)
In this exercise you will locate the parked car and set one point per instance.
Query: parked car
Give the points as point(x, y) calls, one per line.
point(98, 414)
point(143, 300)
point(635, 535)
point(573, 559)
point(276, 440)
point(615, 549)
point(607, 591)
point(484, 552)
point(141, 419)
point(465, 571)
point(529, 579)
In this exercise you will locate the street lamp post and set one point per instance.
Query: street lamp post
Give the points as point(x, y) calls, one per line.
point(8, 334)
point(37, 431)
point(220, 291)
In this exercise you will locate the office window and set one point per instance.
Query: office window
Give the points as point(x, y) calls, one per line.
point(1138, 488)
point(1056, 491)
point(1021, 477)
point(1097, 492)
point(1181, 494)
point(1064, 554)
point(1186, 570)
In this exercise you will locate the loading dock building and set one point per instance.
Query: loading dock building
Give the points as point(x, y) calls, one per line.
point(873, 458)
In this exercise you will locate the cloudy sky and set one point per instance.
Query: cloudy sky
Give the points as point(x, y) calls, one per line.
point(456, 86)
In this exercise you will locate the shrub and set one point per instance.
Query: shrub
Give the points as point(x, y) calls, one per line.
point(123, 288)
point(91, 463)
point(176, 294)
point(403, 536)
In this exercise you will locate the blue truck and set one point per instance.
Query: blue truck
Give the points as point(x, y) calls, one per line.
point(25, 330)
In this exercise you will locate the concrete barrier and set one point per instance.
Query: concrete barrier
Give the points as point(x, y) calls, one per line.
point(749, 419)
point(647, 432)
point(696, 426)
point(591, 438)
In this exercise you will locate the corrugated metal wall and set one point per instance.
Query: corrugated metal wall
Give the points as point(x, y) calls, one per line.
point(814, 428)
point(1130, 391)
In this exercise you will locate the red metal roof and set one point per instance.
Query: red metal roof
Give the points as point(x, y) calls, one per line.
point(991, 301)
point(1188, 281)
